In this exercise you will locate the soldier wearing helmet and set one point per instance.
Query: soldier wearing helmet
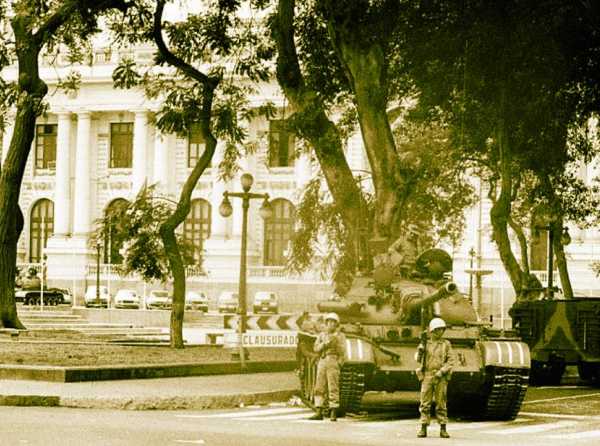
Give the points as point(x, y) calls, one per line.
point(436, 358)
point(31, 281)
point(330, 344)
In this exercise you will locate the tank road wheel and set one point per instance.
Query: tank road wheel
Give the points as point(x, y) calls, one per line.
point(547, 373)
point(589, 372)
point(353, 380)
point(506, 389)
point(30, 300)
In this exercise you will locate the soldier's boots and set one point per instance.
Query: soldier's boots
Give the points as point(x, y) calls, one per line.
point(333, 415)
point(443, 431)
point(318, 414)
point(423, 432)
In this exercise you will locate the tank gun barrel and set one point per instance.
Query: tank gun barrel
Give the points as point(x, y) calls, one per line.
point(443, 291)
point(353, 309)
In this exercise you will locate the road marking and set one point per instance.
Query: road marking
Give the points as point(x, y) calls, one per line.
point(557, 415)
point(291, 416)
point(191, 441)
point(486, 424)
point(576, 435)
point(531, 429)
point(559, 398)
point(247, 413)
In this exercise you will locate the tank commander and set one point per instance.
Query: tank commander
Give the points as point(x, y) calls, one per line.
point(330, 344)
point(31, 281)
point(436, 359)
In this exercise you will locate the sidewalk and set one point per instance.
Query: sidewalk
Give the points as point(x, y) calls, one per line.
point(198, 392)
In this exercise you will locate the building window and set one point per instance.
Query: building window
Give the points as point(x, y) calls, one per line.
point(278, 232)
point(196, 227)
point(45, 146)
point(41, 228)
point(196, 146)
point(112, 242)
point(121, 144)
point(281, 144)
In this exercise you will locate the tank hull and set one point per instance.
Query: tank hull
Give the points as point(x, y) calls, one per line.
point(489, 381)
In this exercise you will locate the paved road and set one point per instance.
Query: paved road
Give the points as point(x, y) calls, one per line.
point(566, 421)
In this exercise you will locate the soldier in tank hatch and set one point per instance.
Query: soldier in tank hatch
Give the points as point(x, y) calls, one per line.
point(436, 359)
point(330, 344)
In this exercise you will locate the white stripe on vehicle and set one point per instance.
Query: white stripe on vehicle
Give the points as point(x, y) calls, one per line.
point(349, 348)
point(499, 348)
point(510, 352)
point(360, 349)
point(521, 353)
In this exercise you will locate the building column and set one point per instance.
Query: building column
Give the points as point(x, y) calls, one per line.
point(161, 160)
point(302, 171)
point(218, 222)
point(140, 141)
point(82, 221)
point(62, 191)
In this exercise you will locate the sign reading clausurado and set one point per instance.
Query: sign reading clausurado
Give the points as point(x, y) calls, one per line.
point(263, 338)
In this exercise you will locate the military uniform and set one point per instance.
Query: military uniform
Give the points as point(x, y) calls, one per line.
point(331, 347)
point(440, 358)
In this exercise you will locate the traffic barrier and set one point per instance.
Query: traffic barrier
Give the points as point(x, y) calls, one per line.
point(273, 322)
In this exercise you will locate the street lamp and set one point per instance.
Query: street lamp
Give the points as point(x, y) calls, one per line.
point(565, 239)
point(225, 209)
point(98, 246)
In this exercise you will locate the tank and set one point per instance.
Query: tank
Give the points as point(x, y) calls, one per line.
point(560, 332)
point(384, 316)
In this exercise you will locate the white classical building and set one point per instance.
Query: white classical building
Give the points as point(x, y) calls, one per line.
point(94, 149)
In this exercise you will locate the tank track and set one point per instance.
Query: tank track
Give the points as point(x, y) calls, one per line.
point(508, 388)
point(352, 387)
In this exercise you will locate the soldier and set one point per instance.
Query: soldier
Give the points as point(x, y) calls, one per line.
point(436, 360)
point(31, 281)
point(331, 346)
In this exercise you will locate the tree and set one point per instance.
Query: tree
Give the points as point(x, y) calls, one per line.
point(211, 100)
point(335, 56)
point(36, 25)
point(515, 80)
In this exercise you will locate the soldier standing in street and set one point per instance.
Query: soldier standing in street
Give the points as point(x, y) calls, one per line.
point(331, 346)
point(436, 360)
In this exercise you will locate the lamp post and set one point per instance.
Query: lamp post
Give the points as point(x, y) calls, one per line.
point(225, 209)
point(98, 246)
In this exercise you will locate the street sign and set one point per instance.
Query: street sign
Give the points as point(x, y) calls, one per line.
point(273, 322)
point(259, 338)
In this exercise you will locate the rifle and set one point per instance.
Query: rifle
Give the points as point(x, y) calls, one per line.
point(423, 360)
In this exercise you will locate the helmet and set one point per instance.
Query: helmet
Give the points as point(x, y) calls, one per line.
point(332, 317)
point(436, 322)
point(32, 271)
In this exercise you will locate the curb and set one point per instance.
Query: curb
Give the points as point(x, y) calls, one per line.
point(141, 371)
point(198, 402)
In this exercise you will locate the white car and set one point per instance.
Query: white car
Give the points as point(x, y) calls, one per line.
point(265, 301)
point(159, 299)
point(127, 299)
point(228, 302)
point(91, 300)
point(196, 300)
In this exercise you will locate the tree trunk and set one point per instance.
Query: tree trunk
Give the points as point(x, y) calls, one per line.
point(366, 70)
point(31, 92)
point(522, 244)
point(500, 214)
point(319, 130)
point(561, 260)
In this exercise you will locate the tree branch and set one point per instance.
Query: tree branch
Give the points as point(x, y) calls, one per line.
point(171, 58)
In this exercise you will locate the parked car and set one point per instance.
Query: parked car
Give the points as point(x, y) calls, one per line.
point(266, 301)
point(159, 299)
point(90, 297)
point(196, 300)
point(228, 302)
point(127, 299)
